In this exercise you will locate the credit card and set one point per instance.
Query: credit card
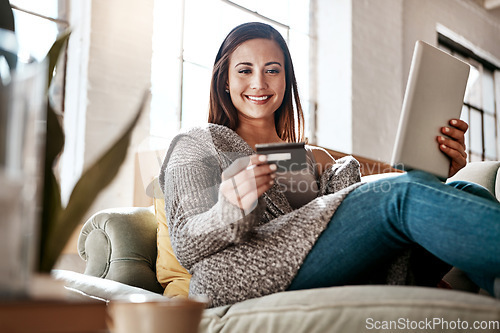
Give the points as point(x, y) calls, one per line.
point(287, 156)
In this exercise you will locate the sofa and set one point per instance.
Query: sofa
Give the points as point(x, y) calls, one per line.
point(119, 246)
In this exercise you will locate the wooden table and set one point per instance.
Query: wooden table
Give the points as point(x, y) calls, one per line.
point(54, 316)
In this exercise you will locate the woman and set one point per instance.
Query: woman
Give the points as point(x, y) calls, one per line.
point(241, 235)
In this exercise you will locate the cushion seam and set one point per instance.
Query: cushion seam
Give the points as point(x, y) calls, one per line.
point(426, 304)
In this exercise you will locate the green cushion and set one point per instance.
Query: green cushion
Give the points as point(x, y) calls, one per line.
point(120, 244)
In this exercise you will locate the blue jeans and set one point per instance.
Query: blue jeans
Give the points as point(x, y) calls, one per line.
point(458, 223)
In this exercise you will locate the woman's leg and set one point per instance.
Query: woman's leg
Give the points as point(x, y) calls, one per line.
point(377, 220)
point(473, 189)
point(478, 190)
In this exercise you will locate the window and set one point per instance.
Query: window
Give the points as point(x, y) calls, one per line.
point(479, 109)
point(187, 35)
point(37, 24)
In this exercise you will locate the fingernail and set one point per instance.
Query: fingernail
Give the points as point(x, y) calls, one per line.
point(273, 167)
point(273, 175)
point(446, 129)
point(454, 122)
point(443, 146)
point(262, 158)
point(441, 138)
point(271, 182)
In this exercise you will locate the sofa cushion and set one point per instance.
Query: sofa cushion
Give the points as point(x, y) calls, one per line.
point(169, 272)
point(486, 174)
point(335, 309)
point(355, 309)
point(85, 286)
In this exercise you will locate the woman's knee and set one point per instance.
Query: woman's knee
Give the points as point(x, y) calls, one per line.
point(406, 179)
point(472, 188)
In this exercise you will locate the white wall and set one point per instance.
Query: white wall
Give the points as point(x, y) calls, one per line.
point(119, 73)
point(380, 48)
point(377, 74)
point(470, 22)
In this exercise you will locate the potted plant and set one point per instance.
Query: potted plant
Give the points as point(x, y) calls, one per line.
point(57, 222)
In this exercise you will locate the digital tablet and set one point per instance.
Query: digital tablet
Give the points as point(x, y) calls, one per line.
point(434, 95)
point(287, 156)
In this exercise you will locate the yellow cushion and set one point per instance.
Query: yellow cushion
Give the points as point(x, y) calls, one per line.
point(169, 272)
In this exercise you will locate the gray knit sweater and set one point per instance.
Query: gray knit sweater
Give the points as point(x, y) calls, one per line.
point(235, 255)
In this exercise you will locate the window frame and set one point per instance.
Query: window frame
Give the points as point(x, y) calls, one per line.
point(482, 65)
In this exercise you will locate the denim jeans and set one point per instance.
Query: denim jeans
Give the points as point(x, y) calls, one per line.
point(458, 223)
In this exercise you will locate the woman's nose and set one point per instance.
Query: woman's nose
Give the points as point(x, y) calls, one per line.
point(258, 81)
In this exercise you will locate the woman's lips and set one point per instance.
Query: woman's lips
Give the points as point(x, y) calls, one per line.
point(258, 99)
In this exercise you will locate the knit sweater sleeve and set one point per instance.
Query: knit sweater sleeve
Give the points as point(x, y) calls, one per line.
point(343, 173)
point(201, 220)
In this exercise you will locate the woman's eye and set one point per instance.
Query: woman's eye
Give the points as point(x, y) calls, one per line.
point(273, 71)
point(244, 71)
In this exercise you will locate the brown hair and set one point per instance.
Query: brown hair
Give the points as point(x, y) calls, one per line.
point(290, 127)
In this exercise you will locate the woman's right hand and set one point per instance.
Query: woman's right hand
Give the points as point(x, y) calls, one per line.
point(247, 179)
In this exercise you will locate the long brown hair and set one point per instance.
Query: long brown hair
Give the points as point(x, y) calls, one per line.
point(289, 126)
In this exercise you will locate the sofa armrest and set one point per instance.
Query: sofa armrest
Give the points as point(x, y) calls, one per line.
point(80, 286)
point(485, 173)
point(120, 244)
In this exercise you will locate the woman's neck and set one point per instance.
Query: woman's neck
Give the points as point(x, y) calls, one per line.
point(254, 132)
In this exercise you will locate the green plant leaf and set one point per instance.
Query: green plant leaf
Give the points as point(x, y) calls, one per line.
point(54, 143)
point(58, 223)
point(51, 201)
point(6, 16)
point(94, 179)
point(55, 52)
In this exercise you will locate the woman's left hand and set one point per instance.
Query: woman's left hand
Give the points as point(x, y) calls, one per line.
point(454, 145)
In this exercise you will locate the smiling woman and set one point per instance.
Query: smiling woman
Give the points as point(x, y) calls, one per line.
point(254, 90)
point(184, 53)
point(256, 82)
point(242, 235)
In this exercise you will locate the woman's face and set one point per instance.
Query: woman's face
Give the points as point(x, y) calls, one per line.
point(256, 78)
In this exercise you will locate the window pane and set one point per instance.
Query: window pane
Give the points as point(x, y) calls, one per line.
point(473, 90)
point(201, 44)
point(35, 33)
point(166, 68)
point(465, 117)
point(299, 50)
point(195, 95)
point(299, 19)
point(47, 8)
point(490, 144)
point(476, 131)
point(488, 92)
point(278, 10)
point(217, 19)
point(475, 157)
